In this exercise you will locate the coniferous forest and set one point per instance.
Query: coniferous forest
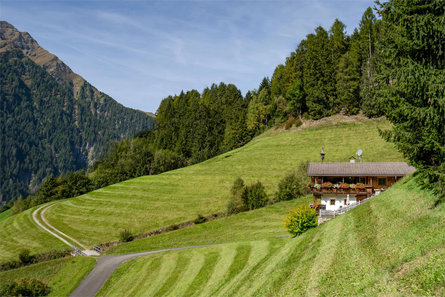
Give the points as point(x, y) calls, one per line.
point(391, 65)
point(46, 131)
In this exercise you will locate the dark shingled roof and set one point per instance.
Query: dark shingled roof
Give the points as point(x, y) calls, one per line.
point(360, 169)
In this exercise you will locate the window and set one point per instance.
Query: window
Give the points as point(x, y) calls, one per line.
point(332, 201)
point(362, 180)
point(382, 181)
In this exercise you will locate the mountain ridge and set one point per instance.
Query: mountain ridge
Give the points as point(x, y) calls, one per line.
point(37, 101)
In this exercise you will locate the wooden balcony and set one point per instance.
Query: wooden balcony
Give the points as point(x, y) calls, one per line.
point(362, 192)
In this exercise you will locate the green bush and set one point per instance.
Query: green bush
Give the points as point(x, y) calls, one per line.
point(236, 204)
point(200, 219)
point(25, 287)
point(126, 236)
point(290, 187)
point(25, 258)
point(300, 220)
point(165, 160)
point(254, 196)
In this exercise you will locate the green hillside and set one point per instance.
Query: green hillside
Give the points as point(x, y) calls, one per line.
point(149, 202)
point(62, 275)
point(392, 245)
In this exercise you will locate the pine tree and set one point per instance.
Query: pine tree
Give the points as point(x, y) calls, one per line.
point(348, 78)
point(411, 83)
point(318, 72)
point(338, 46)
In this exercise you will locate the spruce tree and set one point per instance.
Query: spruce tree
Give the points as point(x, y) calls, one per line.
point(411, 83)
point(318, 73)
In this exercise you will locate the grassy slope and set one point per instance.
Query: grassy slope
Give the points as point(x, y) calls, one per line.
point(5, 215)
point(19, 232)
point(261, 223)
point(62, 275)
point(149, 202)
point(392, 245)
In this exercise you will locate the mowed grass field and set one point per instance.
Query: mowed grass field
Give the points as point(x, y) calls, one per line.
point(146, 203)
point(61, 275)
point(20, 232)
point(393, 245)
point(149, 202)
point(262, 223)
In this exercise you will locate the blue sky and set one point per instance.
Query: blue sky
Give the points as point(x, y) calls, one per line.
point(139, 52)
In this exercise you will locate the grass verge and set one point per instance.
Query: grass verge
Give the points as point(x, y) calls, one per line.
point(61, 275)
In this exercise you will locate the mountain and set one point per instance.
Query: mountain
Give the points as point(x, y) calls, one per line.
point(52, 120)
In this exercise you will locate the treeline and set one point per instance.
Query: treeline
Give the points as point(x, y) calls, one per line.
point(383, 68)
point(45, 130)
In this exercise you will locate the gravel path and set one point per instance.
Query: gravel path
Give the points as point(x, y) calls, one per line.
point(105, 266)
point(34, 217)
point(61, 236)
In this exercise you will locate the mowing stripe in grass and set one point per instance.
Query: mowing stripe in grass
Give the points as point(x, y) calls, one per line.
point(252, 285)
point(204, 273)
point(188, 275)
point(155, 283)
point(273, 247)
point(119, 276)
point(148, 270)
point(227, 254)
point(303, 252)
point(324, 258)
point(181, 264)
point(259, 251)
point(238, 263)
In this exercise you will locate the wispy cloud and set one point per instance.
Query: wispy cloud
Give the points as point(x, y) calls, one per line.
point(142, 51)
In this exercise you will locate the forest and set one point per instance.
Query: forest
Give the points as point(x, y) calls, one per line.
point(392, 65)
point(46, 131)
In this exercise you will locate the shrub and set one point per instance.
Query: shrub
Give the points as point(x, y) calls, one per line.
point(52, 255)
point(165, 160)
point(290, 187)
point(43, 257)
point(300, 220)
point(236, 204)
point(25, 258)
point(126, 236)
point(25, 287)
point(200, 219)
point(254, 196)
point(289, 123)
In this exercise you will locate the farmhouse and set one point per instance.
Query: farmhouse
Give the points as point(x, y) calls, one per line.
point(336, 185)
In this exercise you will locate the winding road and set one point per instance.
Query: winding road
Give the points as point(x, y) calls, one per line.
point(105, 266)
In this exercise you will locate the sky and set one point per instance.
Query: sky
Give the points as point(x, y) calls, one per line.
point(140, 52)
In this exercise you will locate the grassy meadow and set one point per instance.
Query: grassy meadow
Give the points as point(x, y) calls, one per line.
point(393, 245)
point(61, 275)
point(149, 202)
point(266, 222)
point(4, 215)
point(20, 232)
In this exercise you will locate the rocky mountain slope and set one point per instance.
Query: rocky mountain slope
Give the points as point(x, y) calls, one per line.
point(52, 120)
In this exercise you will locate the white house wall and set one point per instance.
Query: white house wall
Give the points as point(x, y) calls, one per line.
point(339, 201)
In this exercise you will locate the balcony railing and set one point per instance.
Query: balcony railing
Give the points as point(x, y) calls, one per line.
point(335, 190)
